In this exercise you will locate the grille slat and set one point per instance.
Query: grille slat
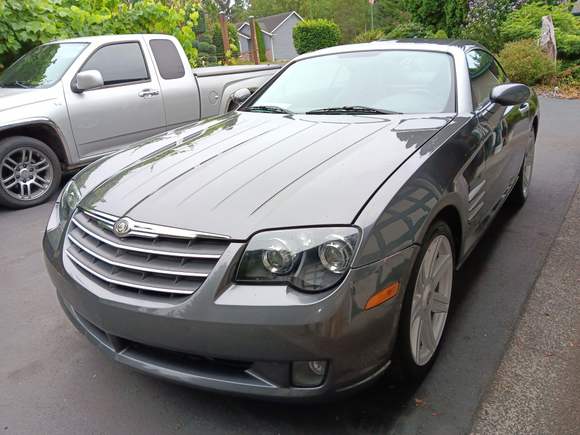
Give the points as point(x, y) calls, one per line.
point(158, 264)
point(207, 249)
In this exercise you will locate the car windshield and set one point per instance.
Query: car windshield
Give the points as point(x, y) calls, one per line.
point(41, 67)
point(387, 81)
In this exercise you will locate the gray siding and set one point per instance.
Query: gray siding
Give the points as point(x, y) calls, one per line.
point(283, 41)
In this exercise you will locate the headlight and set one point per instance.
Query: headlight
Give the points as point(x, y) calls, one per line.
point(69, 200)
point(309, 259)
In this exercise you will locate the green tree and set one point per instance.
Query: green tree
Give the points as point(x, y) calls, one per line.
point(26, 24)
point(389, 14)
point(427, 12)
point(455, 16)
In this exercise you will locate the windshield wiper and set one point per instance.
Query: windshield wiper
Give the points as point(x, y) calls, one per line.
point(268, 109)
point(351, 109)
point(15, 84)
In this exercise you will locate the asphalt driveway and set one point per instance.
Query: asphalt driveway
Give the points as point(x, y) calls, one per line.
point(53, 381)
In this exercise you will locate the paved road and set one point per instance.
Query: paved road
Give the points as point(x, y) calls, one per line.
point(53, 381)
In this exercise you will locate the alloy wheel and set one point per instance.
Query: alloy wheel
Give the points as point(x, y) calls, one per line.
point(26, 173)
point(431, 299)
point(527, 171)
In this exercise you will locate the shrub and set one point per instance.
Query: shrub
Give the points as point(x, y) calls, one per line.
point(526, 22)
point(261, 44)
point(440, 34)
point(310, 35)
point(369, 36)
point(524, 62)
point(410, 30)
point(205, 38)
point(204, 47)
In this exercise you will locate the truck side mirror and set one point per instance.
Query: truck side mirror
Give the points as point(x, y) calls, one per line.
point(510, 94)
point(87, 80)
point(241, 95)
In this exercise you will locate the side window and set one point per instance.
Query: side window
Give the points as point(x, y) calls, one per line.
point(484, 73)
point(119, 63)
point(167, 59)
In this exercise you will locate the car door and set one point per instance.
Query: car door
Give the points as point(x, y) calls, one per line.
point(498, 129)
point(127, 108)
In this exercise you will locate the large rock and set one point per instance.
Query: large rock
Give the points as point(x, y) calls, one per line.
point(548, 38)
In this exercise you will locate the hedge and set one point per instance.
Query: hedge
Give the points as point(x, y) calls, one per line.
point(311, 35)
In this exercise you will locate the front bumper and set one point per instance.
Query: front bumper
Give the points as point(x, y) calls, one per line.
point(240, 339)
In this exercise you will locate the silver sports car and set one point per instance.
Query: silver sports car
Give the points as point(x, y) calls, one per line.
point(299, 245)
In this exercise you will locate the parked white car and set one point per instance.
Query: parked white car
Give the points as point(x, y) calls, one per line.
point(66, 103)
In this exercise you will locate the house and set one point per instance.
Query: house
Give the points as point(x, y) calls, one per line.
point(576, 8)
point(277, 32)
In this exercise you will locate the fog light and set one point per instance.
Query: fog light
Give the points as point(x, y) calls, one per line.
point(308, 373)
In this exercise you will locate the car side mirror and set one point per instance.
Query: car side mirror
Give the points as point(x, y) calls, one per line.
point(241, 95)
point(87, 80)
point(510, 94)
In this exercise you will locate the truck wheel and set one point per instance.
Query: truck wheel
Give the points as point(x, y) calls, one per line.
point(29, 172)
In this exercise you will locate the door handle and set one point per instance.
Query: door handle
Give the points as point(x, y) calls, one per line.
point(524, 107)
point(147, 93)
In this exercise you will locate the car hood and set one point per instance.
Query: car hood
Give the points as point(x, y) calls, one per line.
point(12, 98)
point(246, 172)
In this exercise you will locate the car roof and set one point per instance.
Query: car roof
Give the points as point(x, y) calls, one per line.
point(442, 45)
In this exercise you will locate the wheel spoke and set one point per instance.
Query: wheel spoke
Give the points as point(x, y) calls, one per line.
point(7, 179)
point(443, 267)
point(439, 303)
point(11, 161)
point(38, 177)
point(427, 337)
point(433, 257)
point(11, 185)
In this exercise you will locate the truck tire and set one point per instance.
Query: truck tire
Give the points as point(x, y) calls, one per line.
point(30, 172)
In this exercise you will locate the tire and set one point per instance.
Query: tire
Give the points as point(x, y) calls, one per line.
point(414, 354)
point(30, 172)
point(520, 192)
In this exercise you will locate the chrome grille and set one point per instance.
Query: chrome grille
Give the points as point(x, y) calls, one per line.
point(145, 262)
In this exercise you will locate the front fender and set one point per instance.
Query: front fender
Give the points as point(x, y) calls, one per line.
point(431, 180)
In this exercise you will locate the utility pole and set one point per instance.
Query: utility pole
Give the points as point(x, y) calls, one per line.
point(254, 41)
point(225, 35)
point(372, 3)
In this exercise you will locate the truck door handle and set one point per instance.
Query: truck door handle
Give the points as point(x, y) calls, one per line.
point(524, 107)
point(147, 93)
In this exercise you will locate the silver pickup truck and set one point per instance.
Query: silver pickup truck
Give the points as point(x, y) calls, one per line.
point(67, 103)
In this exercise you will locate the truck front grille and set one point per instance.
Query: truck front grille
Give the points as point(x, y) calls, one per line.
point(144, 263)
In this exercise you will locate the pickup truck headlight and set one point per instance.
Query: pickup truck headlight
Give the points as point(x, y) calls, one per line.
point(308, 259)
point(69, 200)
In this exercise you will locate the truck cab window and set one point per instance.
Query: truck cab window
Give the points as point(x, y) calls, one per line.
point(119, 63)
point(167, 59)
